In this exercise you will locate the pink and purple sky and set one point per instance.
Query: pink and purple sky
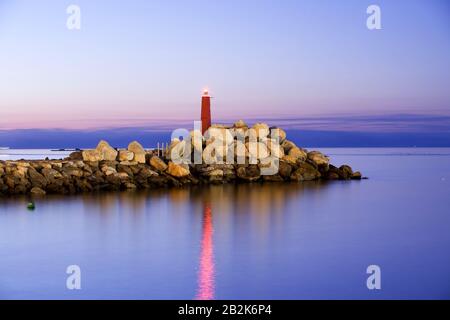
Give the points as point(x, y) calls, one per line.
point(145, 63)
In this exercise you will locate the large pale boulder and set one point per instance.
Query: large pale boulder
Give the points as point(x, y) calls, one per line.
point(262, 130)
point(125, 155)
point(178, 151)
point(257, 150)
point(157, 163)
point(138, 151)
point(177, 170)
point(172, 145)
point(107, 170)
point(107, 152)
point(318, 158)
point(240, 124)
point(197, 141)
point(92, 155)
point(274, 147)
point(240, 152)
point(223, 135)
point(217, 154)
point(279, 134)
point(240, 133)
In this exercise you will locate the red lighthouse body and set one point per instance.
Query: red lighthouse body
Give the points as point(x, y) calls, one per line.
point(206, 111)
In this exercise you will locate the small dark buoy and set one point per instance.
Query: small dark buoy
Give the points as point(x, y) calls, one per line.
point(31, 206)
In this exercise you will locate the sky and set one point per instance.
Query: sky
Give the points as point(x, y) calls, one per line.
point(143, 63)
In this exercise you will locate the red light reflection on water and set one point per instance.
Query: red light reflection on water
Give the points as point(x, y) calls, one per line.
point(206, 278)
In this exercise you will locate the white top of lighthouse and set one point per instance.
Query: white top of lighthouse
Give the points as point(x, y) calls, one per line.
point(205, 92)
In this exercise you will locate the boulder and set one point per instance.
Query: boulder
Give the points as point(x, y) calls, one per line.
point(147, 173)
point(290, 159)
point(36, 179)
point(91, 155)
point(217, 154)
point(128, 163)
point(138, 151)
point(345, 172)
point(108, 170)
point(20, 171)
point(214, 176)
point(285, 169)
point(130, 186)
point(37, 191)
point(357, 175)
point(106, 151)
point(222, 136)
point(240, 124)
point(51, 174)
point(126, 155)
point(240, 153)
point(249, 173)
point(262, 130)
point(298, 154)
point(240, 134)
point(77, 155)
point(287, 146)
point(318, 158)
point(72, 171)
point(305, 172)
point(125, 168)
point(279, 134)
point(157, 163)
point(197, 141)
point(177, 170)
point(55, 165)
point(257, 150)
point(274, 148)
point(178, 149)
point(332, 175)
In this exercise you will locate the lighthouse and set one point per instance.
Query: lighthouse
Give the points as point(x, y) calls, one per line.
point(206, 111)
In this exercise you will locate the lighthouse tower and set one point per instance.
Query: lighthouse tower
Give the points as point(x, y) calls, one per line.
point(206, 111)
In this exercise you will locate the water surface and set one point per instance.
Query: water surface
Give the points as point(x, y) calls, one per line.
point(272, 241)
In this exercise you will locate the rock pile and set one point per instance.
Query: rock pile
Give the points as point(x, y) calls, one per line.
point(105, 168)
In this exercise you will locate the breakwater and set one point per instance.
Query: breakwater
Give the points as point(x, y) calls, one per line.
point(228, 154)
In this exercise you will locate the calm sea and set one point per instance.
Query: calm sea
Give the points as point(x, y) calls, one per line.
point(273, 241)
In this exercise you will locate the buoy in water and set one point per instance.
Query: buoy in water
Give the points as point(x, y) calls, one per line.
point(31, 206)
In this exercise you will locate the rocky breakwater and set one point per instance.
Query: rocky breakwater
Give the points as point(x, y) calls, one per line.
point(225, 154)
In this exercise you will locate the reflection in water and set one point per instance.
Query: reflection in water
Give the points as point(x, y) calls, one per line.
point(271, 241)
point(205, 290)
point(151, 227)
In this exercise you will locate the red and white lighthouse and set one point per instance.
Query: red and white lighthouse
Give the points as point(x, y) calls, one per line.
point(206, 111)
